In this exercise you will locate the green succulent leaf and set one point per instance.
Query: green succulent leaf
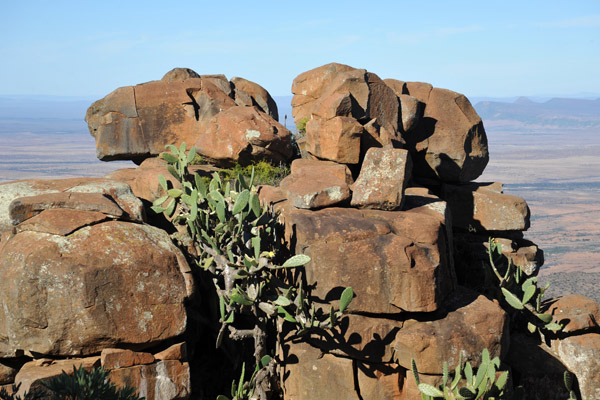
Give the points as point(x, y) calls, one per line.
point(346, 298)
point(553, 326)
point(415, 372)
point(255, 204)
point(502, 379)
point(545, 318)
point(531, 327)
point(168, 157)
point(529, 292)
point(429, 390)
point(160, 200)
point(282, 301)
point(239, 299)
point(162, 181)
point(241, 202)
point(173, 172)
point(170, 208)
point(296, 261)
point(512, 299)
point(192, 154)
point(469, 373)
point(286, 315)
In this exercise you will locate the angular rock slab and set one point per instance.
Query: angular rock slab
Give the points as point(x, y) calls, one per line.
point(449, 143)
point(472, 323)
point(316, 184)
point(478, 207)
point(580, 354)
point(115, 195)
point(382, 179)
point(244, 134)
point(336, 139)
point(113, 283)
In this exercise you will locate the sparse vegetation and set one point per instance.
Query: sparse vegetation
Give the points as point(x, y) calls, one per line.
point(467, 384)
point(80, 385)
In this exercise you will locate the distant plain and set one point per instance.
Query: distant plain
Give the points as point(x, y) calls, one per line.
point(554, 165)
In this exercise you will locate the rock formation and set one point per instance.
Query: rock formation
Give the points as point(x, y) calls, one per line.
point(384, 203)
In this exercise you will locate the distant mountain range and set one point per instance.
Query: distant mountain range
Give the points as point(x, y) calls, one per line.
point(554, 113)
point(39, 112)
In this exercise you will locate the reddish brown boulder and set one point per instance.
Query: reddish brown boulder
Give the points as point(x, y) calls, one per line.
point(469, 325)
point(380, 381)
point(450, 143)
point(23, 208)
point(312, 85)
point(137, 122)
point(179, 74)
point(9, 368)
point(382, 179)
point(176, 352)
point(113, 283)
point(575, 312)
point(243, 134)
point(411, 112)
point(121, 358)
point(251, 94)
point(316, 184)
point(383, 105)
point(103, 194)
point(478, 207)
point(336, 139)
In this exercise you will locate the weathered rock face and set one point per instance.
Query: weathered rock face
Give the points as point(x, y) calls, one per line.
point(382, 180)
point(243, 134)
point(113, 283)
point(468, 328)
point(136, 122)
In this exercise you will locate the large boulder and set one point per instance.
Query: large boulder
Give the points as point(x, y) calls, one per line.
point(137, 122)
point(110, 284)
point(244, 134)
point(450, 143)
point(408, 267)
point(471, 323)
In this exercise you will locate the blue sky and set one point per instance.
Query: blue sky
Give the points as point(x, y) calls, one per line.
point(480, 48)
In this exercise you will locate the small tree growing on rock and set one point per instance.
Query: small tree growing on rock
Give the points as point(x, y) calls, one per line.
point(223, 227)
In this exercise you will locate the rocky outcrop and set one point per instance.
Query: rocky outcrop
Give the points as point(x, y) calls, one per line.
point(440, 128)
point(383, 203)
point(137, 122)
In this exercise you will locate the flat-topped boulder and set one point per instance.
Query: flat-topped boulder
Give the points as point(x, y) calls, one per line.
point(137, 122)
point(316, 184)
